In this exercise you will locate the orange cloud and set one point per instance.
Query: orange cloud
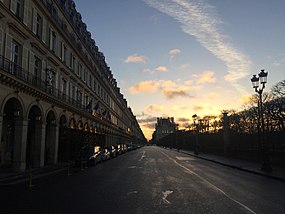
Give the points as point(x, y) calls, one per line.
point(161, 69)
point(135, 58)
point(154, 107)
point(205, 77)
point(173, 93)
point(150, 86)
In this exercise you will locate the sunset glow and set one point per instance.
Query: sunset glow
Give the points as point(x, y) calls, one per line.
point(176, 58)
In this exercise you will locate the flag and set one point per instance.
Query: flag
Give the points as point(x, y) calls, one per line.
point(89, 106)
point(96, 107)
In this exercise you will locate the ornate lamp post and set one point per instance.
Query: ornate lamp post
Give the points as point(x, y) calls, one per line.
point(258, 84)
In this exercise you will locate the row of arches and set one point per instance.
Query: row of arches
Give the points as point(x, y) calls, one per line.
point(37, 137)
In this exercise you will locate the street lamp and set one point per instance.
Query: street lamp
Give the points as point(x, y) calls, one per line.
point(194, 117)
point(258, 84)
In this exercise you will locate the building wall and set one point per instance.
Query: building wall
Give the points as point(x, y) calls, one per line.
point(164, 127)
point(54, 82)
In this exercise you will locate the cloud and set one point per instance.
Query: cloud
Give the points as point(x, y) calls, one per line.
point(173, 93)
point(147, 120)
point(279, 61)
point(198, 108)
point(174, 52)
point(168, 88)
point(161, 69)
point(205, 77)
point(150, 86)
point(135, 58)
point(155, 70)
point(212, 95)
point(185, 67)
point(154, 108)
point(199, 19)
point(182, 119)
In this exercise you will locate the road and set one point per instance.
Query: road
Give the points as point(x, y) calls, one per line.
point(148, 180)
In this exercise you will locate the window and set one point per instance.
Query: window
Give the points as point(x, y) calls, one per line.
point(53, 41)
point(64, 87)
point(85, 76)
point(37, 71)
point(90, 80)
point(79, 73)
point(17, 7)
point(39, 26)
point(64, 53)
point(73, 92)
point(79, 97)
point(72, 61)
point(15, 56)
point(94, 86)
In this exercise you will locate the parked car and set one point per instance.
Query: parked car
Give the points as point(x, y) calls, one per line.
point(105, 154)
point(95, 156)
point(113, 151)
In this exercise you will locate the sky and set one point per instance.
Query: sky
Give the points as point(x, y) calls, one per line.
point(177, 58)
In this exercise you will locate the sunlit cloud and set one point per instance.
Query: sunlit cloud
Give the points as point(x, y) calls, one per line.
point(161, 69)
point(246, 99)
point(200, 20)
point(156, 70)
point(151, 86)
point(185, 67)
point(212, 95)
point(198, 108)
point(174, 52)
point(173, 93)
point(205, 77)
point(154, 108)
point(135, 58)
point(178, 108)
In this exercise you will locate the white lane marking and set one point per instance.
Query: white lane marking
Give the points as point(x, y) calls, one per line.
point(132, 167)
point(133, 192)
point(165, 194)
point(143, 156)
point(212, 185)
point(184, 158)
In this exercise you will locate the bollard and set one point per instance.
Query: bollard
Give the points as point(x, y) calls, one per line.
point(68, 169)
point(30, 178)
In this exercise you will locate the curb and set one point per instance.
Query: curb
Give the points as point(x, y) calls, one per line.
point(17, 179)
point(236, 167)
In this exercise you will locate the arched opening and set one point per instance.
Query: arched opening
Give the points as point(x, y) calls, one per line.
point(34, 138)
point(63, 143)
point(50, 139)
point(12, 115)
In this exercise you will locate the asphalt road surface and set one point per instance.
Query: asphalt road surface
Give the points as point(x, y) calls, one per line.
point(148, 180)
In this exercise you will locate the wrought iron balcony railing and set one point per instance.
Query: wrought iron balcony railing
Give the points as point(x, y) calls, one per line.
point(39, 83)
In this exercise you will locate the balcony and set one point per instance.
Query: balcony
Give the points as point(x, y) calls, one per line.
point(38, 83)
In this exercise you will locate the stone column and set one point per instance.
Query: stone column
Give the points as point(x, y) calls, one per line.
point(20, 145)
point(1, 141)
point(40, 132)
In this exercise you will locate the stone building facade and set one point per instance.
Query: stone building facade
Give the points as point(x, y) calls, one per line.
point(56, 91)
point(164, 127)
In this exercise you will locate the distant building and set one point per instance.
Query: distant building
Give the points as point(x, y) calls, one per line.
point(164, 127)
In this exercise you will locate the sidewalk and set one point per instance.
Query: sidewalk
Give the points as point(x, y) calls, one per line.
point(278, 172)
point(9, 177)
